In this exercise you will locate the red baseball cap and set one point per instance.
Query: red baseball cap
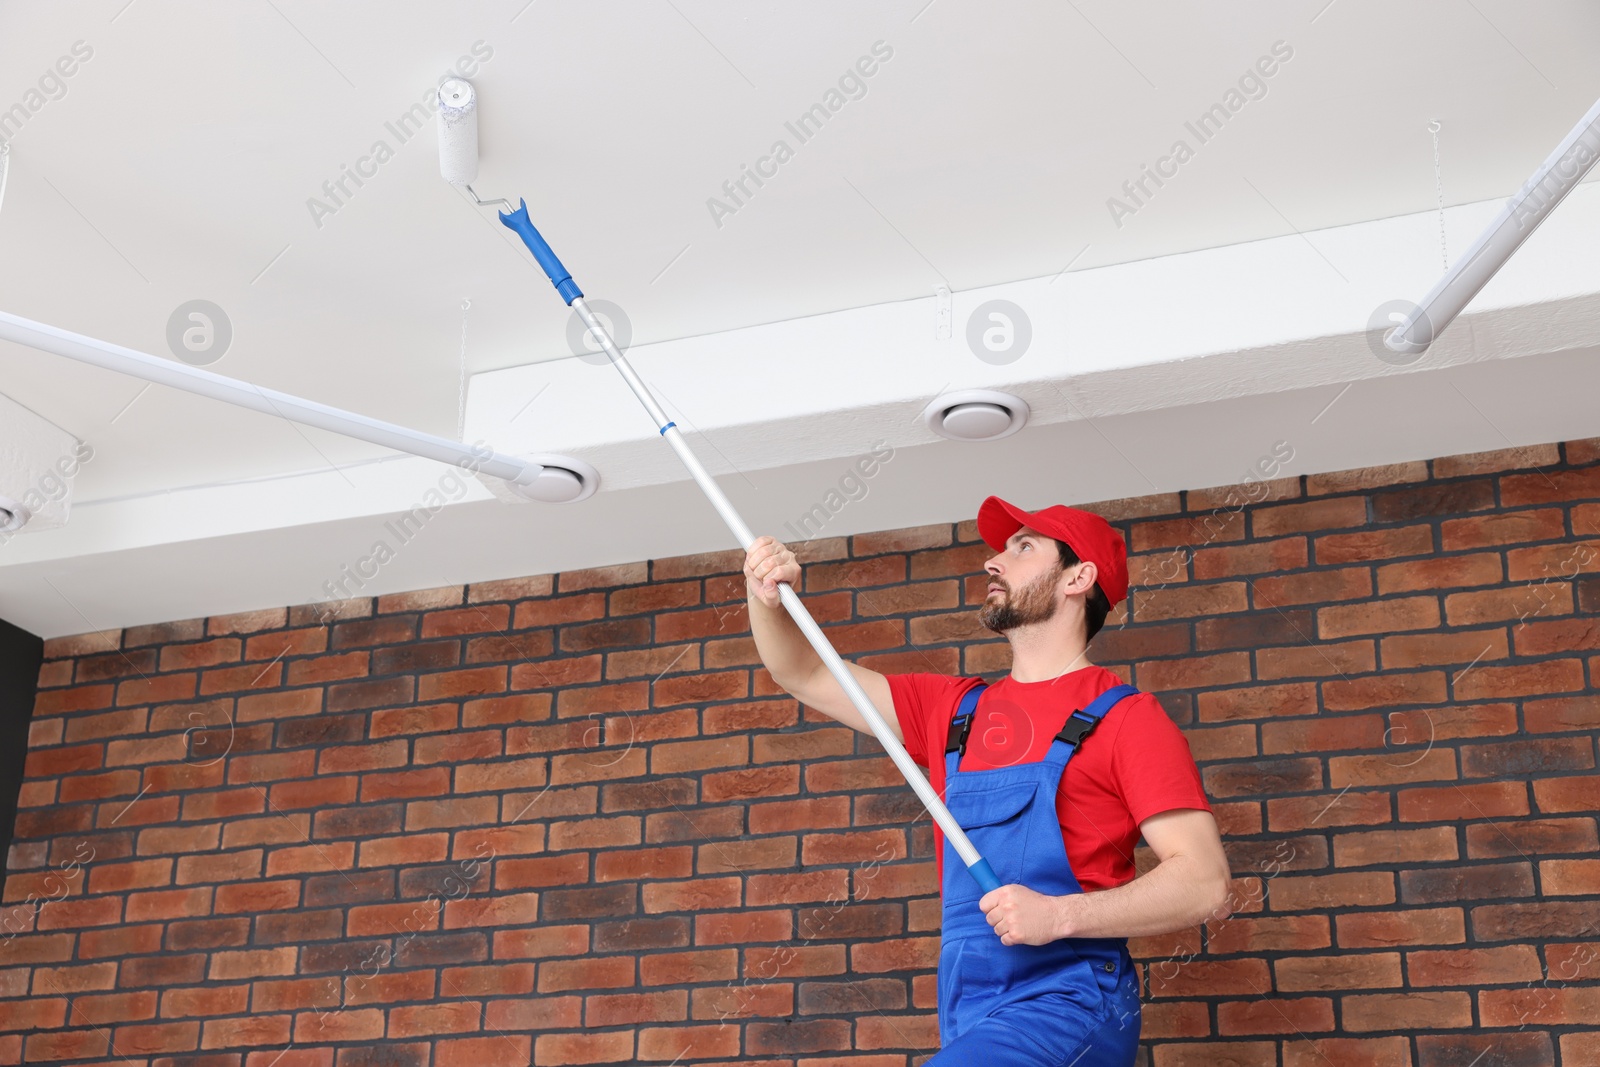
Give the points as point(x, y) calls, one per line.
point(1086, 533)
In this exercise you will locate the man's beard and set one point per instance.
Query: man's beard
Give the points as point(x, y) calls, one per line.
point(1033, 603)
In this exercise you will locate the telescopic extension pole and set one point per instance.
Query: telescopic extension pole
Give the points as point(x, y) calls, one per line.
point(1530, 205)
point(559, 277)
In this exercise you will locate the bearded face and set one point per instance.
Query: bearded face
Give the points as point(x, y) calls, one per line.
point(1008, 609)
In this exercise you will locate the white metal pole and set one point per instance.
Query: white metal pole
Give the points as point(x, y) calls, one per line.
point(1523, 212)
point(791, 601)
point(206, 383)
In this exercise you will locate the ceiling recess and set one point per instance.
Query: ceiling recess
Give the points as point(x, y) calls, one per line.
point(564, 480)
point(13, 516)
point(976, 415)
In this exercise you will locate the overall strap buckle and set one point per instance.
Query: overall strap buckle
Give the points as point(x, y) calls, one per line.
point(961, 722)
point(1081, 723)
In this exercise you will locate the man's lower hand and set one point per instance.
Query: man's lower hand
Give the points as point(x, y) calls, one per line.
point(1022, 917)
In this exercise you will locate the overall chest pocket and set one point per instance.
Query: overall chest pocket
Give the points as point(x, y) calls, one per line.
point(996, 821)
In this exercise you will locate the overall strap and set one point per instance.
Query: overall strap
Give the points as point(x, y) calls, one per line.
point(961, 725)
point(1080, 723)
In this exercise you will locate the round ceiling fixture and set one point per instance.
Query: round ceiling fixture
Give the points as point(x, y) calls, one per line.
point(564, 480)
point(976, 415)
point(13, 516)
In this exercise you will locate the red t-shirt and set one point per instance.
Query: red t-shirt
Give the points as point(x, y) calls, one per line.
point(1134, 765)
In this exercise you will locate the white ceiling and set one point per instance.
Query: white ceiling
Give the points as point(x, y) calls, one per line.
point(179, 161)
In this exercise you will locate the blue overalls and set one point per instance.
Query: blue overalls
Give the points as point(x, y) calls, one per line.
point(1071, 1003)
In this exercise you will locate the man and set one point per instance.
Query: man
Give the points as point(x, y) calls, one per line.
point(1036, 971)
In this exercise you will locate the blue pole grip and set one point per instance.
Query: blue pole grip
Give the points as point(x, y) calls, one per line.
point(559, 276)
point(984, 875)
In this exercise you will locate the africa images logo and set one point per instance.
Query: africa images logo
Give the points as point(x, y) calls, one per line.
point(1002, 733)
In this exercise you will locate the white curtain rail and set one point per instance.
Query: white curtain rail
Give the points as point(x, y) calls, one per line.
point(206, 383)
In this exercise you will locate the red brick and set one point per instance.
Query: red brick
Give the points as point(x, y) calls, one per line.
point(595, 972)
point(121, 877)
point(1474, 967)
point(99, 786)
point(1227, 668)
point(255, 897)
point(59, 980)
point(72, 914)
point(1206, 977)
point(1258, 557)
point(1393, 929)
point(1428, 650)
point(1550, 676)
point(1580, 1048)
point(1388, 847)
point(1439, 885)
point(1208, 743)
point(1218, 1054)
point(1313, 515)
point(755, 782)
point(169, 904)
point(1580, 793)
point(113, 1008)
point(1552, 1005)
point(1316, 660)
point(444, 1018)
point(1439, 724)
point(252, 963)
point(78, 698)
point(1365, 970)
point(1343, 808)
point(79, 1044)
point(315, 793)
point(275, 829)
point(331, 668)
point(279, 705)
point(1279, 933)
point(1366, 478)
point(84, 644)
point(1378, 616)
point(1275, 1015)
point(614, 1046)
point(1399, 1011)
point(1497, 840)
point(1169, 1019)
point(201, 654)
point(1552, 562)
point(1386, 690)
point(1332, 733)
point(56, 761)
point(1184, 602)
point(120, 941)
point(1508, 528)
point(38, 1014)
point(1560, 714)
point(1565, 878)
point(1554, 636)
point(1550, 487)
point(1295, 698)
point(1320, 891)
point(1464, 803)
point(1365, 545)
point(1401, 766)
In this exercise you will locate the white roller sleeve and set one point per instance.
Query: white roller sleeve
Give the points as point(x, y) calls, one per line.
point(458, 131)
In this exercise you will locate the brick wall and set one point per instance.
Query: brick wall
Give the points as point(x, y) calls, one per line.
point(570, 817)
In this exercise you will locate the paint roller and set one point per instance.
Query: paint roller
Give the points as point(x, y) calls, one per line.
point(458, 131)
point(458, 163)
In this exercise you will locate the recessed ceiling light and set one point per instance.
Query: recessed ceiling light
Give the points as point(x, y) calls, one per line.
point(13, 516)
point(976, 415)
